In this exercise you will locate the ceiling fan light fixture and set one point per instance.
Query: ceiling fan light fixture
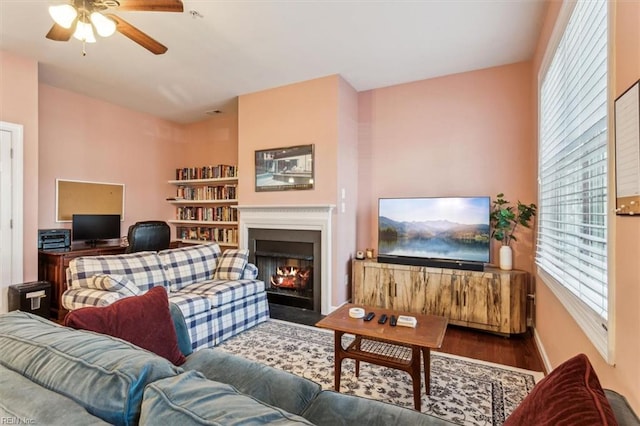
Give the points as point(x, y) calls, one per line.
point(104, 26)
point(63, 14)
point(84, 32)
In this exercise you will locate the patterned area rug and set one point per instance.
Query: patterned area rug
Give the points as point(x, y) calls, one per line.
point(463, 390)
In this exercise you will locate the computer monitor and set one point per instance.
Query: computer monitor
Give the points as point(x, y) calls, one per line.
point(95, 228)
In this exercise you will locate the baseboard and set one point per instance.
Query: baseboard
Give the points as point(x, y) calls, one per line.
point(541, 351)
point(333, 308)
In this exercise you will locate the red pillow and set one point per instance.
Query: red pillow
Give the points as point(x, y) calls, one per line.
point(570, 395)
point(142, 320)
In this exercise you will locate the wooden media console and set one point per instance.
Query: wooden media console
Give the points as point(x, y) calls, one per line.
point(492, 300)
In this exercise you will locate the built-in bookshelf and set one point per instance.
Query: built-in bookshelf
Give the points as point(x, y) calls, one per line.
point(205, 201)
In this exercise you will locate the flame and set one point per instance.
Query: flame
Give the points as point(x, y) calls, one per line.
point(292, 277)
point(287, 271)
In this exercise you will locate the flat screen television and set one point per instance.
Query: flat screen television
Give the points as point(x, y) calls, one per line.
point(95, 228)
point(448, 232)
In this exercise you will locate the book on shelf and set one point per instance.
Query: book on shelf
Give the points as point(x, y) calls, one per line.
point(208, 233)
point(210, 214)
point(186, 233)
point(206, 192)
point(207, 172)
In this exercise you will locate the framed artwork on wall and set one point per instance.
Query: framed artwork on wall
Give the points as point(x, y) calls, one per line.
point(284, 169)
point(627, 151)
point(80, 197)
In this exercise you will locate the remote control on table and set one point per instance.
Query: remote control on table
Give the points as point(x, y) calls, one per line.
point(370, 316)
point(393, 321)
point(382, 319)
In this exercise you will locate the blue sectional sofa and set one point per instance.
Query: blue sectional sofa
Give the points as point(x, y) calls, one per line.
point(218, 294)
point(54, 375)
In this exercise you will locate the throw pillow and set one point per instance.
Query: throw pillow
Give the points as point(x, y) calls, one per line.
point(231, 264)
point(192, 264)
point(182, 332)
point(143, 320)
point(250, 272)
point(571, 394)
point(119, 283)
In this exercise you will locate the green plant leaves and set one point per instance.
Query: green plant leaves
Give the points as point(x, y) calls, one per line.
point(505, 218)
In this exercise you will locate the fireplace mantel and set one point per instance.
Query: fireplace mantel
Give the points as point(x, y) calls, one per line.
point(302, 217)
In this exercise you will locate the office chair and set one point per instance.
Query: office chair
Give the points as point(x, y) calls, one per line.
point(152, 235)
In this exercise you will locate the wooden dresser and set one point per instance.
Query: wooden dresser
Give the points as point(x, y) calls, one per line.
point(492, 300)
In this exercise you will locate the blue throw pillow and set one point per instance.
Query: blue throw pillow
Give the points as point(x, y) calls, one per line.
point(182, 332)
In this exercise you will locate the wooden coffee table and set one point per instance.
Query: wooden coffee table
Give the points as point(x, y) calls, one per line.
point(381, 344)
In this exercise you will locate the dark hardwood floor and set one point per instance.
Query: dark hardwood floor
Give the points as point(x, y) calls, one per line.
point(516, 351)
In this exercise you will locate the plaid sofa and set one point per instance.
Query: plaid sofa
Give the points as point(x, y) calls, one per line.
point(218, 294)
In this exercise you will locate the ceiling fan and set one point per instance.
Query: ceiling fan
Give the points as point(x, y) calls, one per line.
point(81, 17)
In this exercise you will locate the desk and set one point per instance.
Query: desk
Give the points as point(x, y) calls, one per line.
point(52, 267)
point(381, 344)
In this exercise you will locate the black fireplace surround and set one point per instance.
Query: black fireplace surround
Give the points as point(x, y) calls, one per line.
point(277, 252)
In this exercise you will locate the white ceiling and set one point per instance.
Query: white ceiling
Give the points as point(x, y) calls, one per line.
point(240, 47)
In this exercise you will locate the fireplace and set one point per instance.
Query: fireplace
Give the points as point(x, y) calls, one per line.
point(288, 262)
point(279, 218)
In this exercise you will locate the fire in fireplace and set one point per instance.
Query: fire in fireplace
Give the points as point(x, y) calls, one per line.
point(292, 277)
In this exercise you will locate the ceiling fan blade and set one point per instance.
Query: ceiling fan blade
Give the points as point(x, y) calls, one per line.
point(150, 5)
point(128, 30)
point(60, 33)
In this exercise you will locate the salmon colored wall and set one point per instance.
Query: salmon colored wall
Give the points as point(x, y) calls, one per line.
point(559, 335)
point(296, 114)
point(318, 112)
point(346, 206)
point(19, 105)
point(210, 142)
point(86, 139)
point(82, 138)
point(460, 135)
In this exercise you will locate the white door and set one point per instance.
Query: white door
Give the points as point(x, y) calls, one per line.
point(10, 209)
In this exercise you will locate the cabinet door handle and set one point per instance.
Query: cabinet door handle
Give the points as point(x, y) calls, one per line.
point(393, 289)
point(464, 299)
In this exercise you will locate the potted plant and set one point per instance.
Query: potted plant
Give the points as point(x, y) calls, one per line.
point(505, 219)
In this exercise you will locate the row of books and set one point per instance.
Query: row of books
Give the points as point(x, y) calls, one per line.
point(207, 172)
point(207, 233)
point(220, 192)
point(221, 213)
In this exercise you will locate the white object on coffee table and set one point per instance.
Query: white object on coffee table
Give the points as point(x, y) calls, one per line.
point(407, 321)
point(356, 313)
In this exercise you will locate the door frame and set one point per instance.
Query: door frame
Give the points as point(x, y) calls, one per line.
point(17, 211)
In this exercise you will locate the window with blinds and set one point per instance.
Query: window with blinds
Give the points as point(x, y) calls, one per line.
point(572, 219)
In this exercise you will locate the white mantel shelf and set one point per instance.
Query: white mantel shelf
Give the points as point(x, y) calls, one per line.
point(296, 217)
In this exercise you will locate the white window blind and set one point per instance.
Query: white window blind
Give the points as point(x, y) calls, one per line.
point(572, 219)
